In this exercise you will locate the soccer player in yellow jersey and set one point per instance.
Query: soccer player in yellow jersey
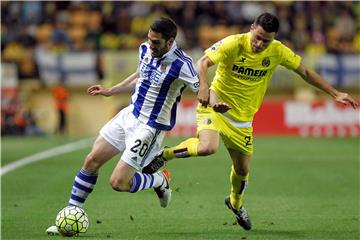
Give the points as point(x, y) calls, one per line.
point(246, 63)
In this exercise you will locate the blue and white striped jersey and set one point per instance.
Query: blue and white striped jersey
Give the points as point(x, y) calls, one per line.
point(160, 85)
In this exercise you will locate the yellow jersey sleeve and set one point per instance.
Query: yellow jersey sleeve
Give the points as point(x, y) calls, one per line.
point(289, 59)
point(223, 50)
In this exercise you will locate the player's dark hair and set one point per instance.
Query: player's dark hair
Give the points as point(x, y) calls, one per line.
point(165, 26)
point(269, 22)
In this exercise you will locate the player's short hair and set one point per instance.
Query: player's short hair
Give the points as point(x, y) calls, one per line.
point(268, 22)
point(165, 26)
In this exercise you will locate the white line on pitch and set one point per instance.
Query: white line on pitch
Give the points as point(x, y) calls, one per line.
point(46, 154)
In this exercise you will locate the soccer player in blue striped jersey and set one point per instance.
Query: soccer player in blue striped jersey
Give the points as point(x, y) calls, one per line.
point(137, 131)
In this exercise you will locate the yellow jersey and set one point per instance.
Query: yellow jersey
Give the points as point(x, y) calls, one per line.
point(242, 76)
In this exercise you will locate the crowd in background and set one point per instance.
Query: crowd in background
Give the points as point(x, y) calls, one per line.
point(78, 26)
point(62, 26)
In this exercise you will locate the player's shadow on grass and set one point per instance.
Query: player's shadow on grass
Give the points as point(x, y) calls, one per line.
point(235, 233)
point(284, 234)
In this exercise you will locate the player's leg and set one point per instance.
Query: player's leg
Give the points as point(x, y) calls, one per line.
point(109, 143)
point(86, 178)
point(239, 176)
point(143, 142)
point(239, 142)
point(207, 141)
point(126, 178)
point(205, 144)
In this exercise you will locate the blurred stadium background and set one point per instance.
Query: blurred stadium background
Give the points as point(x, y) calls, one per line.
point(52, 51)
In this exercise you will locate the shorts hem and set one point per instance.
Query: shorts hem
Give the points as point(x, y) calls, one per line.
point(240, 150)
point(132, 164)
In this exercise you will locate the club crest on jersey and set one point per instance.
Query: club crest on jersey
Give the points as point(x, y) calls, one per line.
point(163, 67)
point(146, 59)
point(265, 62)
point(207, 121)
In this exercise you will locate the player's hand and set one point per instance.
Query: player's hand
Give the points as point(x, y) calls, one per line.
point(203, 96)
point(345, 98)
point(98, 90)
point(221, 107)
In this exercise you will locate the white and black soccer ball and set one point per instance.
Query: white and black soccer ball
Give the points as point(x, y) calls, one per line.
point(71, 221)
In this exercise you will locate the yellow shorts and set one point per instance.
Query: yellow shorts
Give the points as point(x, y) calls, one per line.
point(240, 139)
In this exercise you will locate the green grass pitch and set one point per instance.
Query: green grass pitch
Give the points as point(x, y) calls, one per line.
point(300, 188)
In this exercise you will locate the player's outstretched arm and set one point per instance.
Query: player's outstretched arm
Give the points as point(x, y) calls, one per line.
point(123, 86)
point(316, 80)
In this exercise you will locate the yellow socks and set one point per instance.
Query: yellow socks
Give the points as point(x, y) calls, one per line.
point(185, 149)
point(238, 186)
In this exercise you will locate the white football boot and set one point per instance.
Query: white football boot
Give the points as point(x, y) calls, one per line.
point(52, 230)
point(164, 191)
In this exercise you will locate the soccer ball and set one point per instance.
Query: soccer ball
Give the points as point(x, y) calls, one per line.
point(72, 220)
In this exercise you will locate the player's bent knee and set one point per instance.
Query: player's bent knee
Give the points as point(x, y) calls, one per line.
point(119, 184)
point(206, 152)
point(206, 149)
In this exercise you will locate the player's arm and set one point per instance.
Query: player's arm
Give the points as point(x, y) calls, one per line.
point(203, 65)
point(121, 87)
point(316, 80)
point(206, 97)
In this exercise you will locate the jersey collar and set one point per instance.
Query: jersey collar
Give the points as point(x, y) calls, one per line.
point(171, 50)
